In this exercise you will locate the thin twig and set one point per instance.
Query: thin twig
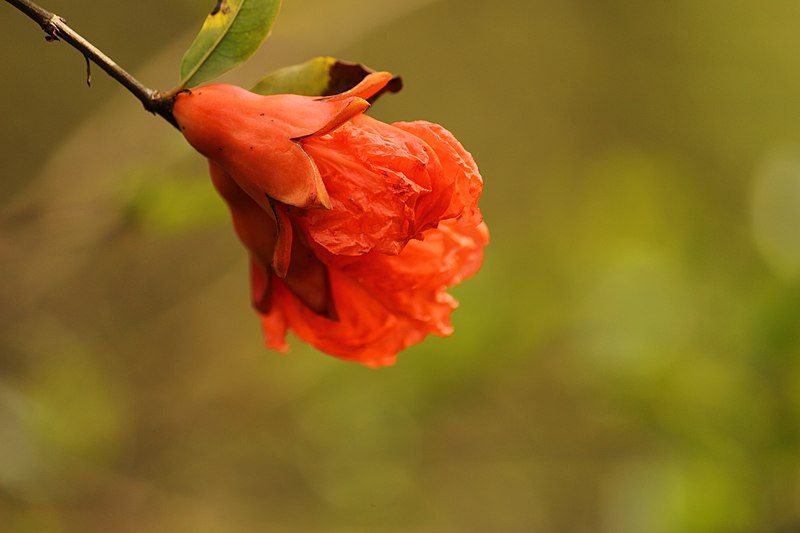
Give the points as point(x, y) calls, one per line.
point(88, 71)
point(56, 29)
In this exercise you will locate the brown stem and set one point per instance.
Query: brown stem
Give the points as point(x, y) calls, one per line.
point(56, 28)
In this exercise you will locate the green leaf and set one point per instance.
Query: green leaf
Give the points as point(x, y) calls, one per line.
point(231, 33)
point(308, 79)
point(321, 76)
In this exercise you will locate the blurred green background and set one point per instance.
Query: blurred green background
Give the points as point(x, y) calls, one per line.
point(627, 360)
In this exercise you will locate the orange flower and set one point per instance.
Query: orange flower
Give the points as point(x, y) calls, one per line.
point(355, 228)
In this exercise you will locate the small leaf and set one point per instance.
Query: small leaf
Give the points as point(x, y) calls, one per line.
point(308, 79)
point(231, 33)
point(321, 76)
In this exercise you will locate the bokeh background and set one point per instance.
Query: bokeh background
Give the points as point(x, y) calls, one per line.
point(628, 360)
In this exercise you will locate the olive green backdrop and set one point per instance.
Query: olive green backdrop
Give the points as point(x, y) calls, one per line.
point(626, 361)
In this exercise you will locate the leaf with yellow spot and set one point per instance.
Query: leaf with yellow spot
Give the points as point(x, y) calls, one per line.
point(232, 32)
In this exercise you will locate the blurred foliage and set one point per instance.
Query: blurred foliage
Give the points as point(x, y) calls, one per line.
point(628, 360)
point(170, 200)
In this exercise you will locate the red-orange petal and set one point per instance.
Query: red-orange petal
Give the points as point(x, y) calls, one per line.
point(456, 162)
point(384, 303)
point(365, 330)
point(413, 283)
point(375, 175)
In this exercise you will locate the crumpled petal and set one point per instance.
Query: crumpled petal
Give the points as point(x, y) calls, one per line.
point(388, 184)
point(365, 330)
point(457, 164)
point(385, 303)
point(374, 180)
point(413, 283)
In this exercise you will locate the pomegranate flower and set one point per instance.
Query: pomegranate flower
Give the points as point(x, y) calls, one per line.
point(355, 228)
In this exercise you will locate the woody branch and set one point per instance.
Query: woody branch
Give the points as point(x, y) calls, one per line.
point(57, 29)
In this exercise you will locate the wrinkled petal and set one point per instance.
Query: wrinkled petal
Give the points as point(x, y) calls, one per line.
point(388, 184)
point(365, 330)
point(374, 180)
point(457, 163)
point(386, 303)
point(413, 283)
point(426, 170)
